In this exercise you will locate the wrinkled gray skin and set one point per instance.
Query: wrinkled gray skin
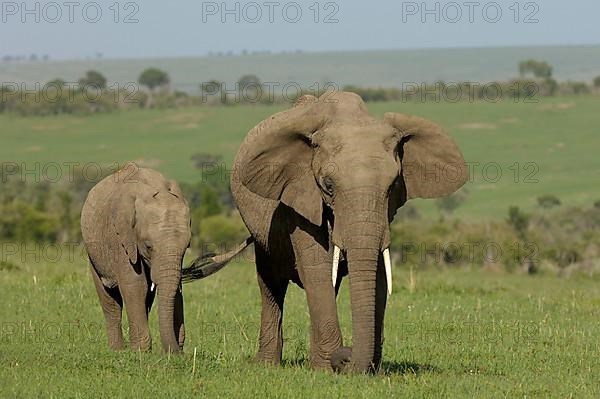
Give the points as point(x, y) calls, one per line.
point(136, 229)
point(326, 173)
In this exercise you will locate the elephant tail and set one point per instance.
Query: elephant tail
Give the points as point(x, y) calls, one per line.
point(206, 265)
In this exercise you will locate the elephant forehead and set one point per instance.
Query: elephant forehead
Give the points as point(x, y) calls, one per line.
point(355, 137)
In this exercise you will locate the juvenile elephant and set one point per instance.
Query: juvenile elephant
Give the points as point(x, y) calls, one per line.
point(317, 187)
point(136, 229)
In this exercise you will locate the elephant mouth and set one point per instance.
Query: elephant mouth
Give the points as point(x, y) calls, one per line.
point(387, 261)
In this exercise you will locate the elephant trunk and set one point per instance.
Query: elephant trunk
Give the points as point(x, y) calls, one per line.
point(362, 265)
point(362, 234)
point(170, 302)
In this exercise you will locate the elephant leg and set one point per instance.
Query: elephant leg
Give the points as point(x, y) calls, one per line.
point(178, 319)
point(272, 290)
point(314, 264)
point(380, 304)
point(112, 307)
point(135, 292)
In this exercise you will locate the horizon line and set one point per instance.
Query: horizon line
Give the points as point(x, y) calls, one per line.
point(250, 53)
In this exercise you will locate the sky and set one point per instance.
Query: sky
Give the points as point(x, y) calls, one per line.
point(65, 29)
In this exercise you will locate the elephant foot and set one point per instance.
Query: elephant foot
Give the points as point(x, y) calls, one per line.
point(321, 360)
point(174, 349)
point(116, 346)
point(321, 366)
point(340, 359)
point(341, 362)
point(267, 360)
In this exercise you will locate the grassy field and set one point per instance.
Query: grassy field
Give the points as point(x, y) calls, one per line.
point(448, 334)
point(517, 151)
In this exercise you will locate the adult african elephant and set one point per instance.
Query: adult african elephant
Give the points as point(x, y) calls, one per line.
point(136, 229)
point(317, 187)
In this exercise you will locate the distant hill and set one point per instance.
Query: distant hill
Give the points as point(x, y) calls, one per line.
point(387, 68)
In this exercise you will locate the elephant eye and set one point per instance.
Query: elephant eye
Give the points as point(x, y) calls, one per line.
point(327, 185)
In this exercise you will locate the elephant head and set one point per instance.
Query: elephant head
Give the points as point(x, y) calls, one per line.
point(152, 221)
point(329, 153)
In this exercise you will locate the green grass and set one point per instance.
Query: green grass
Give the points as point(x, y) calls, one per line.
point(458, 334)
point(547, 147)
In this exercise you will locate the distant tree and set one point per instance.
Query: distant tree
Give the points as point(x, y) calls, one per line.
point(450, 203)
point(94, 79)
point(597, 82)
point(539, 69)
point(552, 86)
point(247, 81)
point(518, 220)
point(407, 212)
point(65, 217)
point(548, 201)
point(210, 204)
point(153, 78)
point(203, 160)
point(250, 88)
point(219, 232)
point(578, 87)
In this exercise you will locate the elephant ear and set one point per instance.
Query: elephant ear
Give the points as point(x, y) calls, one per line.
point(122, 211)
point(123, 222)
point(432, 164)
point(275, 160)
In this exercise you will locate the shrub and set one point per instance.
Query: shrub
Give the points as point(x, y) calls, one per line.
point(539, 69)
point(450, 203)
point(21, 222)
point(93, 78)
point(222, 232)
point(518, 220)
point(153, 78)
point(577, 87)
point(548, 201)
point(8, 266)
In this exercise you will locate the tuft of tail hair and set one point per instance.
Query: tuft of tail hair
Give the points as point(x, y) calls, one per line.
point(206, 265)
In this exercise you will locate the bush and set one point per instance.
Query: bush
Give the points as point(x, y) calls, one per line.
point(450, 203)
point(220, 232)
point(577, 87)
point(8, 266)
point(597, 82)
point(539, 69)
point(518, 220)
point(93, 78)
point(153, 78)
point(22, 223)
point(548, 201)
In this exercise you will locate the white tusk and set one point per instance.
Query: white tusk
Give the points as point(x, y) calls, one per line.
point(387, 261)
point(152, 287)
point(336, 261)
